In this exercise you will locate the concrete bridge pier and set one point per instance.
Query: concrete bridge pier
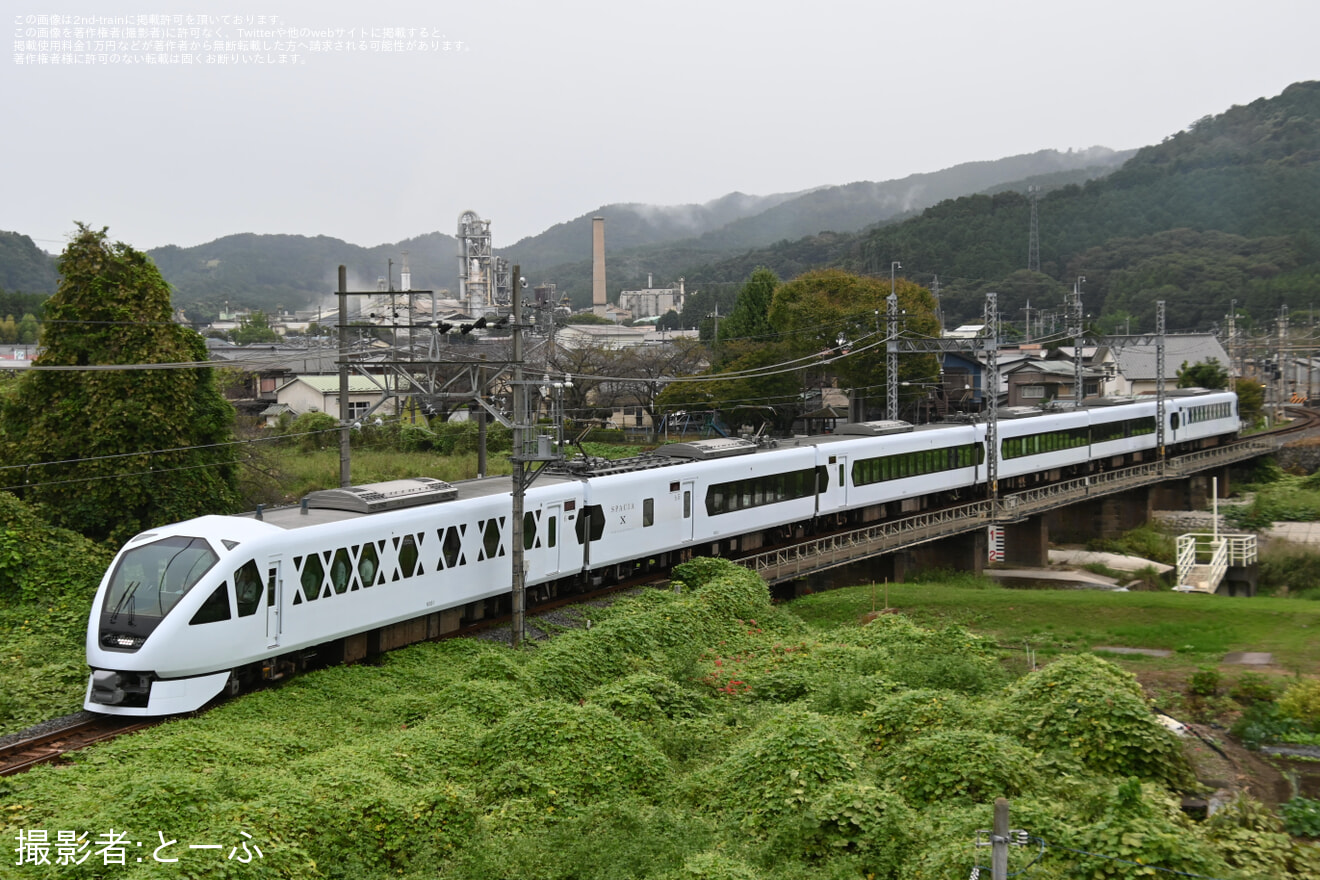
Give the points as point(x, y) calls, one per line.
point(1105, 517)
point(1191, 493)
point(1027, 542)
point(965, 552)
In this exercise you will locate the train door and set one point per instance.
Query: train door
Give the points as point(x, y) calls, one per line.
point(274, 602)
point(689, 500)
point(551, 520)
point(836, 496)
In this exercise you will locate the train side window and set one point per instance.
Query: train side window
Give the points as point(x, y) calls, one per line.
point(552, 531)
point(591, 523)
point(687, 504)
point(408, 556)
point(529, 529)
point(247, 588)
point(492, 538)
point(452, 550)
point(215, 608)
point(312, 577)
point(648, 512)
point(1173, 421)
point(339, 571)
point(368, 565)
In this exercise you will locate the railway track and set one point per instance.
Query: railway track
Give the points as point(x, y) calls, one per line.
point(1303, 420)
point(49, 745)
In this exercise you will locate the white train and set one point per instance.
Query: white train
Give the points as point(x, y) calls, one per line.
point(190, 610)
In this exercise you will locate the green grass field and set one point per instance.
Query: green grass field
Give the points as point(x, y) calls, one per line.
point(1198, 628)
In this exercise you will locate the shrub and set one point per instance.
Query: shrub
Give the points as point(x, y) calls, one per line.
point(1301, 817)
point(713, 866)
point(871, 823)
point(1095, 711)
point(1250, 837)
point(41, 563)
point(894, 720)
point(1295, 568)
point(947, 659)
point(1252, 687)
point(1146, 542)
point(315, 430)
point(646, 696)
point(965, 764)
point(1301, 701)
point(1204, 682)
point(781, 767)
point(556, 752)
point(1263, 723)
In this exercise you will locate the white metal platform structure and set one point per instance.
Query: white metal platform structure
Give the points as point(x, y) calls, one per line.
point(1203, 558)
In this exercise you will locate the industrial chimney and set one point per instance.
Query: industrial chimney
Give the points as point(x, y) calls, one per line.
point(598, 265)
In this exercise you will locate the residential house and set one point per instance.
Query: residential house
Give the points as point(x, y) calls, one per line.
point(1136, 357)
point(304, 394)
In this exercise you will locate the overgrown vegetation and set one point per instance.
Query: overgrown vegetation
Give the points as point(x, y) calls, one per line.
point(1147, 542)
point(47, 579)
point(697, 734)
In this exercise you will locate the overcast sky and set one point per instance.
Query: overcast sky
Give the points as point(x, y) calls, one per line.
point(541, 110)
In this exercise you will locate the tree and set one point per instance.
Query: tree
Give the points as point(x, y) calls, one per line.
point(28, 329)
point(1251, 400)
point(1205, 374)
point(112, 452)
point(639, 373)
point(255, 328)
point(751, 390)
point(750, 320)
point(841, 317)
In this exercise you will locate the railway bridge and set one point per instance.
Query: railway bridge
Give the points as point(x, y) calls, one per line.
point(1100, 505)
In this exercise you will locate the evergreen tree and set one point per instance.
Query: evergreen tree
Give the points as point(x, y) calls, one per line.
point(750, 319)
point(59, 428)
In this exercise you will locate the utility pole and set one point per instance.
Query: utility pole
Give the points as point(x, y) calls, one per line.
point(345, 467)
point(519, 466)
point(990, 394)
point(1159, 378)
point(1033, 245)
point(891, 351)
point(1079, 362)
point(1281, 385)
point(531, 445)
point(999, 842)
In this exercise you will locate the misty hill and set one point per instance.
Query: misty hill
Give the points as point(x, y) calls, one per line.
point(634, 225)
point(296, 271)
point(1228, 209)
point(697, 233)
point(855, 206)
point(840, 208)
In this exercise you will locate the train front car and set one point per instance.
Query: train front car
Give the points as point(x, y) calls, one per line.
point(144, 658)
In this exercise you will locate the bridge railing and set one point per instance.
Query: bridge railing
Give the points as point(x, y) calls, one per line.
point(823, 553)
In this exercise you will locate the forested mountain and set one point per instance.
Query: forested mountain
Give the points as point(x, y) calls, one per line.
point(669, 241)
point(294, 271)
point(24, 267)
point(1228, 209)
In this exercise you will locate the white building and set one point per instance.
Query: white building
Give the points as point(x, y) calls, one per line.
point(653, 301)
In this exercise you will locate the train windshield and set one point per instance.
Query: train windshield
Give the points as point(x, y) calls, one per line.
point(151, 579)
